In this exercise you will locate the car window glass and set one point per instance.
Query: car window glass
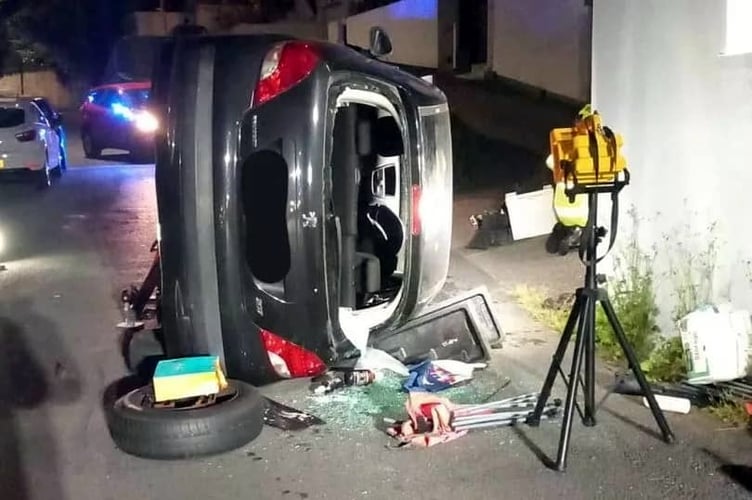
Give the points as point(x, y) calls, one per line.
point(102, 98)
point(35, 116)
point(41, 117)
point(45, 107)
point(136, 98)
point(11, 117)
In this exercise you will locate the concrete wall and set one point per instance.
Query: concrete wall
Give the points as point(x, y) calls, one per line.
point(213, 17)
point(686, 115)
point(411, 25)
point(154, 23)
point(306, 30)
point(38, 83)
point(544, 43)
point(219, 19)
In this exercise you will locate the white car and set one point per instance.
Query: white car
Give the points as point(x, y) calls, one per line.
point(28, 142)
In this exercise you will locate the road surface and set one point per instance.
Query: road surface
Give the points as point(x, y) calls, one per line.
point(73, 247)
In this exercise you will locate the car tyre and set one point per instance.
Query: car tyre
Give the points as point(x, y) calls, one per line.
point(91, 149)
point(139, 429)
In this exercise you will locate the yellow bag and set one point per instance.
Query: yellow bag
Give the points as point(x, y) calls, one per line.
point(587, 153)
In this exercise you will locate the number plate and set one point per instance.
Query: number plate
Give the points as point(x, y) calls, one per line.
point(2, 163)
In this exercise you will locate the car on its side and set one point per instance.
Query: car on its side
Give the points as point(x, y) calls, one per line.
point(116, 116)
point(28, 141)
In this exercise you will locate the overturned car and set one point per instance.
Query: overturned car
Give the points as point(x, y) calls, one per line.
point(304, 191)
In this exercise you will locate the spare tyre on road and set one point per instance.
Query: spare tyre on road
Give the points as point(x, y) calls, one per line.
point(193, 428)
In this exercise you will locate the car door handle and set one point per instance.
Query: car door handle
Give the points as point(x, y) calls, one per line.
point(310, 219)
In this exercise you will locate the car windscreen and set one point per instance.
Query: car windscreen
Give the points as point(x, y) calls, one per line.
point(137, 98)
point(11, 117)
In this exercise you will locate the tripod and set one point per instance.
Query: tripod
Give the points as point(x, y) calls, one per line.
point(583, 314)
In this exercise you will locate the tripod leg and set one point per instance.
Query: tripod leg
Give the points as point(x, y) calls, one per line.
point(553, 370)
point(589, 334)
point(660, 419)
point(566, 423)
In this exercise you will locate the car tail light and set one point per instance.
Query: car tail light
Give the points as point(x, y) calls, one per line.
point(290, 360)
point(27, 135)
point(416, 226)
point(284, 67)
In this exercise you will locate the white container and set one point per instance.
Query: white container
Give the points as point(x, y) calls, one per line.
point(716, 343)
point(670, 403)
point(531, 214)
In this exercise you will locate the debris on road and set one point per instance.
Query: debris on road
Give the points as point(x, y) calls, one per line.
point(287, 418)
point(434, 420)
point(357, 407)
point(438, 375)
point(670, 403)
point(332, 380)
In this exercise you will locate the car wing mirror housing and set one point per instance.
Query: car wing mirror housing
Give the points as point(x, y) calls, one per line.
point(380, 44)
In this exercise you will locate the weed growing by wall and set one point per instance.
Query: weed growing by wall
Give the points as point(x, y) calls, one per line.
point(691, 272)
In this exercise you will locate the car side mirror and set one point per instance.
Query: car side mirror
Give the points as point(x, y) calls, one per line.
point(380, 44)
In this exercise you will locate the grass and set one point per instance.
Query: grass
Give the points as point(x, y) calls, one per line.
point(730, 410)
point(541, 308)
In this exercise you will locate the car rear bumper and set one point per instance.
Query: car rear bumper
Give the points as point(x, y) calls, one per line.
point(31, 160)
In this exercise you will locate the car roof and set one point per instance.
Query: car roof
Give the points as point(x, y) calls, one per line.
point(23, 103)
point(142, 85)
point(13, 101)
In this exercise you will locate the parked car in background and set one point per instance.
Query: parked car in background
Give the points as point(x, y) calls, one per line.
point(28, 141)
point(116, 116)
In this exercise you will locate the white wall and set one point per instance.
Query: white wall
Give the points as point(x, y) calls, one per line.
point(411, 25)
point(544, 43)
point(686, 115)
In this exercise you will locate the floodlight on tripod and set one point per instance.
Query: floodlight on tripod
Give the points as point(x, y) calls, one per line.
point(587, 160)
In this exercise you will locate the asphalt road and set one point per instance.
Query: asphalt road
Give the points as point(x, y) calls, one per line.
point(73, 247)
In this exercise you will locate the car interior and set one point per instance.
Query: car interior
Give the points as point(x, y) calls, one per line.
point(366, 194)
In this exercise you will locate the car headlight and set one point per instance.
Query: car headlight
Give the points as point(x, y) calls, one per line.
point(146, 122)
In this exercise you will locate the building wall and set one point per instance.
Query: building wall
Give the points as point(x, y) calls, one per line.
point(306, 30)
point(213, 17)
point(154, 23)
point(38, 83)
point(686, 115)
point(543, 43)
point(411, 25)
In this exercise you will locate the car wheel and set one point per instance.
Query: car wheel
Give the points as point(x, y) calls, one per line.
point(139, 428)
point(91, 149)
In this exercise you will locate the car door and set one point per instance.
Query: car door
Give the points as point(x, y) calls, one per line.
point(51, 140)
point(93, 114)
point(112, 120)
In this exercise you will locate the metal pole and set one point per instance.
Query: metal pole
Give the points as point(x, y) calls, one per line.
point(22, 76)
